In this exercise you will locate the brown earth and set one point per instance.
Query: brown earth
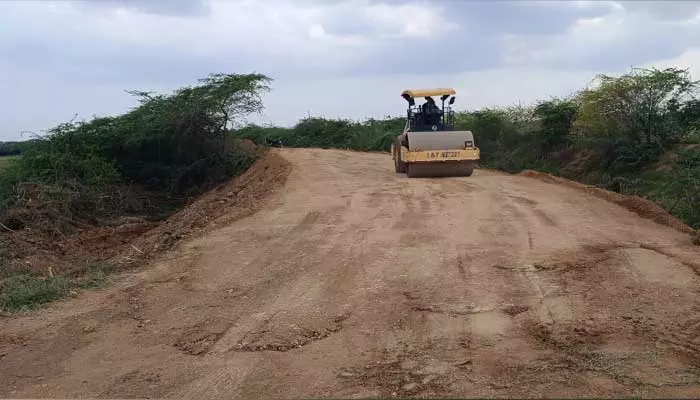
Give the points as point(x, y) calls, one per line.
point(356, 282)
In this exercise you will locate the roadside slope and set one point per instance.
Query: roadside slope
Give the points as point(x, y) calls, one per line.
point(356, 281)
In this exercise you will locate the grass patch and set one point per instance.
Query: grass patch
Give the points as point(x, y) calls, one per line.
point(95, 275)
point(6, 161)
point(23, 291)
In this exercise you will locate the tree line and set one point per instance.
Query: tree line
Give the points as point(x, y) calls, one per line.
point(143, 162)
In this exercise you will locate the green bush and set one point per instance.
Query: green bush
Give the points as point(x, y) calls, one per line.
point(678, 190)
point(370, 135)
point(168, 147)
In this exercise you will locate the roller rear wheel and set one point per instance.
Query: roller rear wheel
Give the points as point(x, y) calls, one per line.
point(467, 168)
point(399, 166)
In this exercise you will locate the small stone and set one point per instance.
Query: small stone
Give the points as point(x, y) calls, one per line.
point(346, 374)
point(410, 386)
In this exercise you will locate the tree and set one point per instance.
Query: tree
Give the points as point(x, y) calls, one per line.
point(175, 139)
point(633, 118)
point(556, 118)
point(637, 106)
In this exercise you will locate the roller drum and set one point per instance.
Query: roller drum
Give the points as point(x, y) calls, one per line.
point(442, 140)
point(440, 169)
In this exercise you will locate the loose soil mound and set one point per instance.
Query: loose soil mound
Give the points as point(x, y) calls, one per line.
point(643, 207)
point(233, 200)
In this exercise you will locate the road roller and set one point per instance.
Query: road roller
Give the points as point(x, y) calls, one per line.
point(429, 145)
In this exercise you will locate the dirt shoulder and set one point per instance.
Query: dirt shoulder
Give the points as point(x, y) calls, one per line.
point(354, 281)
point(643, 207)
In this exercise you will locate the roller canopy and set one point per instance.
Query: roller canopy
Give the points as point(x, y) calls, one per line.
point(413, 93)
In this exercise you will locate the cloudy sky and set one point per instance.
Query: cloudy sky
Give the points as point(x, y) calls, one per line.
point(345, 58)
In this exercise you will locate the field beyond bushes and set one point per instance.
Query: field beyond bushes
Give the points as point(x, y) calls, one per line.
point(5, 161)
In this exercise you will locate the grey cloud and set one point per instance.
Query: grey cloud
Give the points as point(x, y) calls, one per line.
point(476, 44)
point(518, 17)
point(665, 10)
point(37, 44)
point(644, 41)
point(161, 7)
point(486, 17)
point(433, 56)
point(479, 41)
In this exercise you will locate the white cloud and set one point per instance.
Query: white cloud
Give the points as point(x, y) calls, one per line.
point(621, 38)
point(408, 20)
point(690, 60)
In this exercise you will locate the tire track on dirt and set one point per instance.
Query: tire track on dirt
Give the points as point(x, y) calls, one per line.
point(358, 282)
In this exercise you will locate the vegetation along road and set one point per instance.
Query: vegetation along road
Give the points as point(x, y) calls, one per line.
point(354, 281)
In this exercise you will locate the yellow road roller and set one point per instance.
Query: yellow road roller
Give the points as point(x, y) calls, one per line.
point(429, 145)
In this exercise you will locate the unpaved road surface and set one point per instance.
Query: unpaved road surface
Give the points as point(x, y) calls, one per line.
point(355, 281)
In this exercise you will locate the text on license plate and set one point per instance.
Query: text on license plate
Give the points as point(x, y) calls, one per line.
point(443, 154)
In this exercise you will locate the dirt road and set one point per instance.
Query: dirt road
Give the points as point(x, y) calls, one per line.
point(355, 281)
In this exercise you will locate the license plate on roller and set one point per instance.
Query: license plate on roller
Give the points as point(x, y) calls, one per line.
point(442, 154)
